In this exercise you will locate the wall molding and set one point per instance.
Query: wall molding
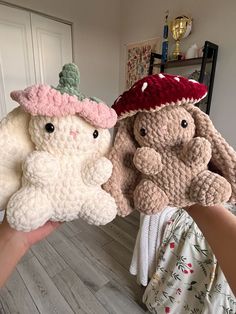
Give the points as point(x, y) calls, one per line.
point(36, 12)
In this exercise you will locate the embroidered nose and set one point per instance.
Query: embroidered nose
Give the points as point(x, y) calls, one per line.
point(74, 133)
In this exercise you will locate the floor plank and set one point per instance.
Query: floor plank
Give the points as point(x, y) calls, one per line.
point(28, 255)
point(76, 293)
point(91, 233)
point(15, 298)
point(119, 253)
point(69, 229)
point(45, 294)
point(133, 219)
point(119, 235)
point(87, 272)
point(49, 258)
point(80, 269)
point(113, 270)
point(116, 302)
point(126, 225)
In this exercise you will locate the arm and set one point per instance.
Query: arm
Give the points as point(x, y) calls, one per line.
point(97, 172)
point(196, 151)
point(40, 167)
point(219, 228)
point(147, 161)
point(14, 244)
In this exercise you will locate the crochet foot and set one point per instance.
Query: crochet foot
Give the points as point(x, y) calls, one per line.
point(209, 189)
point(99, 209)
point(149, 198)
point(26, 212)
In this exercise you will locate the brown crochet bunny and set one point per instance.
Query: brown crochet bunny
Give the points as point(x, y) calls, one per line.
point(170, 142)
point(174, 163)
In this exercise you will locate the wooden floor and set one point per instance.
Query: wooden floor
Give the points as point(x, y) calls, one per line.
point(78, 269)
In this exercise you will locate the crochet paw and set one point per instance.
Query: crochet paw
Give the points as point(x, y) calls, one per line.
point(197, 151)
point(209, 189)
point(147, 161)
point(40, 167)
point(97, 172)
point(149, 198)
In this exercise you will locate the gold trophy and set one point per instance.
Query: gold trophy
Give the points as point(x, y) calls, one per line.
point(180, 28)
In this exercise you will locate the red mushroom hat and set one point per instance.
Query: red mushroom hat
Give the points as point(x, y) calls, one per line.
point(155, 91)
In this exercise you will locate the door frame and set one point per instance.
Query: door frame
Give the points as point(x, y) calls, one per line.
point(16, 6)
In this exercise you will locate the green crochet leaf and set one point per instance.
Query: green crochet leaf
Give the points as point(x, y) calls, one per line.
point(69, 79)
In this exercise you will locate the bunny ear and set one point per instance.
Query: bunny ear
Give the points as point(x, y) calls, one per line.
point(124, 176)
point(223, 155)
point(15, 144)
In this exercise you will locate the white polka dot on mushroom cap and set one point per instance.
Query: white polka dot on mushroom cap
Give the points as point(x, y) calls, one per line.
point(118, 99)
point(177, 78)
point(145, 85)
point(193, 81)
point(161, 75)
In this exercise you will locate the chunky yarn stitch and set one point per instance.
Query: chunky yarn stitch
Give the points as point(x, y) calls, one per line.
point(63, 174)
point(169, 144)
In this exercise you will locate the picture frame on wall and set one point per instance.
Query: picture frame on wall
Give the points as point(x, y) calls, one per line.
point(137, 59)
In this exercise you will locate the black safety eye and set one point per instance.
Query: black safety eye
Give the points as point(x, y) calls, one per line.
point(143, 132)
point(49, 127)
point(184, 124)
point(95, 134)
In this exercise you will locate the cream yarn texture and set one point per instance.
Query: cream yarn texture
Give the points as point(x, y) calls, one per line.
point(62, 178)
point(52, 161)
point(15, 145)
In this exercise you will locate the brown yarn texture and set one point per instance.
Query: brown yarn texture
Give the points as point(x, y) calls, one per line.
point(162, 158)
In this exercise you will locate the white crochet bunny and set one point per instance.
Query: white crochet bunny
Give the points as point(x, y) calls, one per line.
point(62, 177)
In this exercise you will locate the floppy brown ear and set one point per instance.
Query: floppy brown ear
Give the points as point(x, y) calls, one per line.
point(124, 176)
point(15, 145)
point(223, 155)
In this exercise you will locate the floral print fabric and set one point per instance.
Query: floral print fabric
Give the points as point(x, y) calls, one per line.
point(138, 59)
point(188, 279)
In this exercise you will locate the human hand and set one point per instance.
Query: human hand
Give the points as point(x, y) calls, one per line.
point(24, 240)
point(14, 244)
point(39, 234)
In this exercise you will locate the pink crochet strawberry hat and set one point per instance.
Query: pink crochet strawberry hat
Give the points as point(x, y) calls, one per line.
point(65, 100)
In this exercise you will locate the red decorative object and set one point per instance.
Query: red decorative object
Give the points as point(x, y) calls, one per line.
point(189, 265)
point(167, 309)
point(172, 245)
point(156, 91)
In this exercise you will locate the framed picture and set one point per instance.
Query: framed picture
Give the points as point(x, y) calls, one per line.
point(138, 58)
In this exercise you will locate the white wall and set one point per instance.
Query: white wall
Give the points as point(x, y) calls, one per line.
point(96, 37)
point(212, 20)
point(102, 28)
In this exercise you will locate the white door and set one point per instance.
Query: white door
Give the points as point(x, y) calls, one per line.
point(33, 49)
point(52, 46)
point(16, 55)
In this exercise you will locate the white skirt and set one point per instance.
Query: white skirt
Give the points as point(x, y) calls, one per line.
point(144, 260)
